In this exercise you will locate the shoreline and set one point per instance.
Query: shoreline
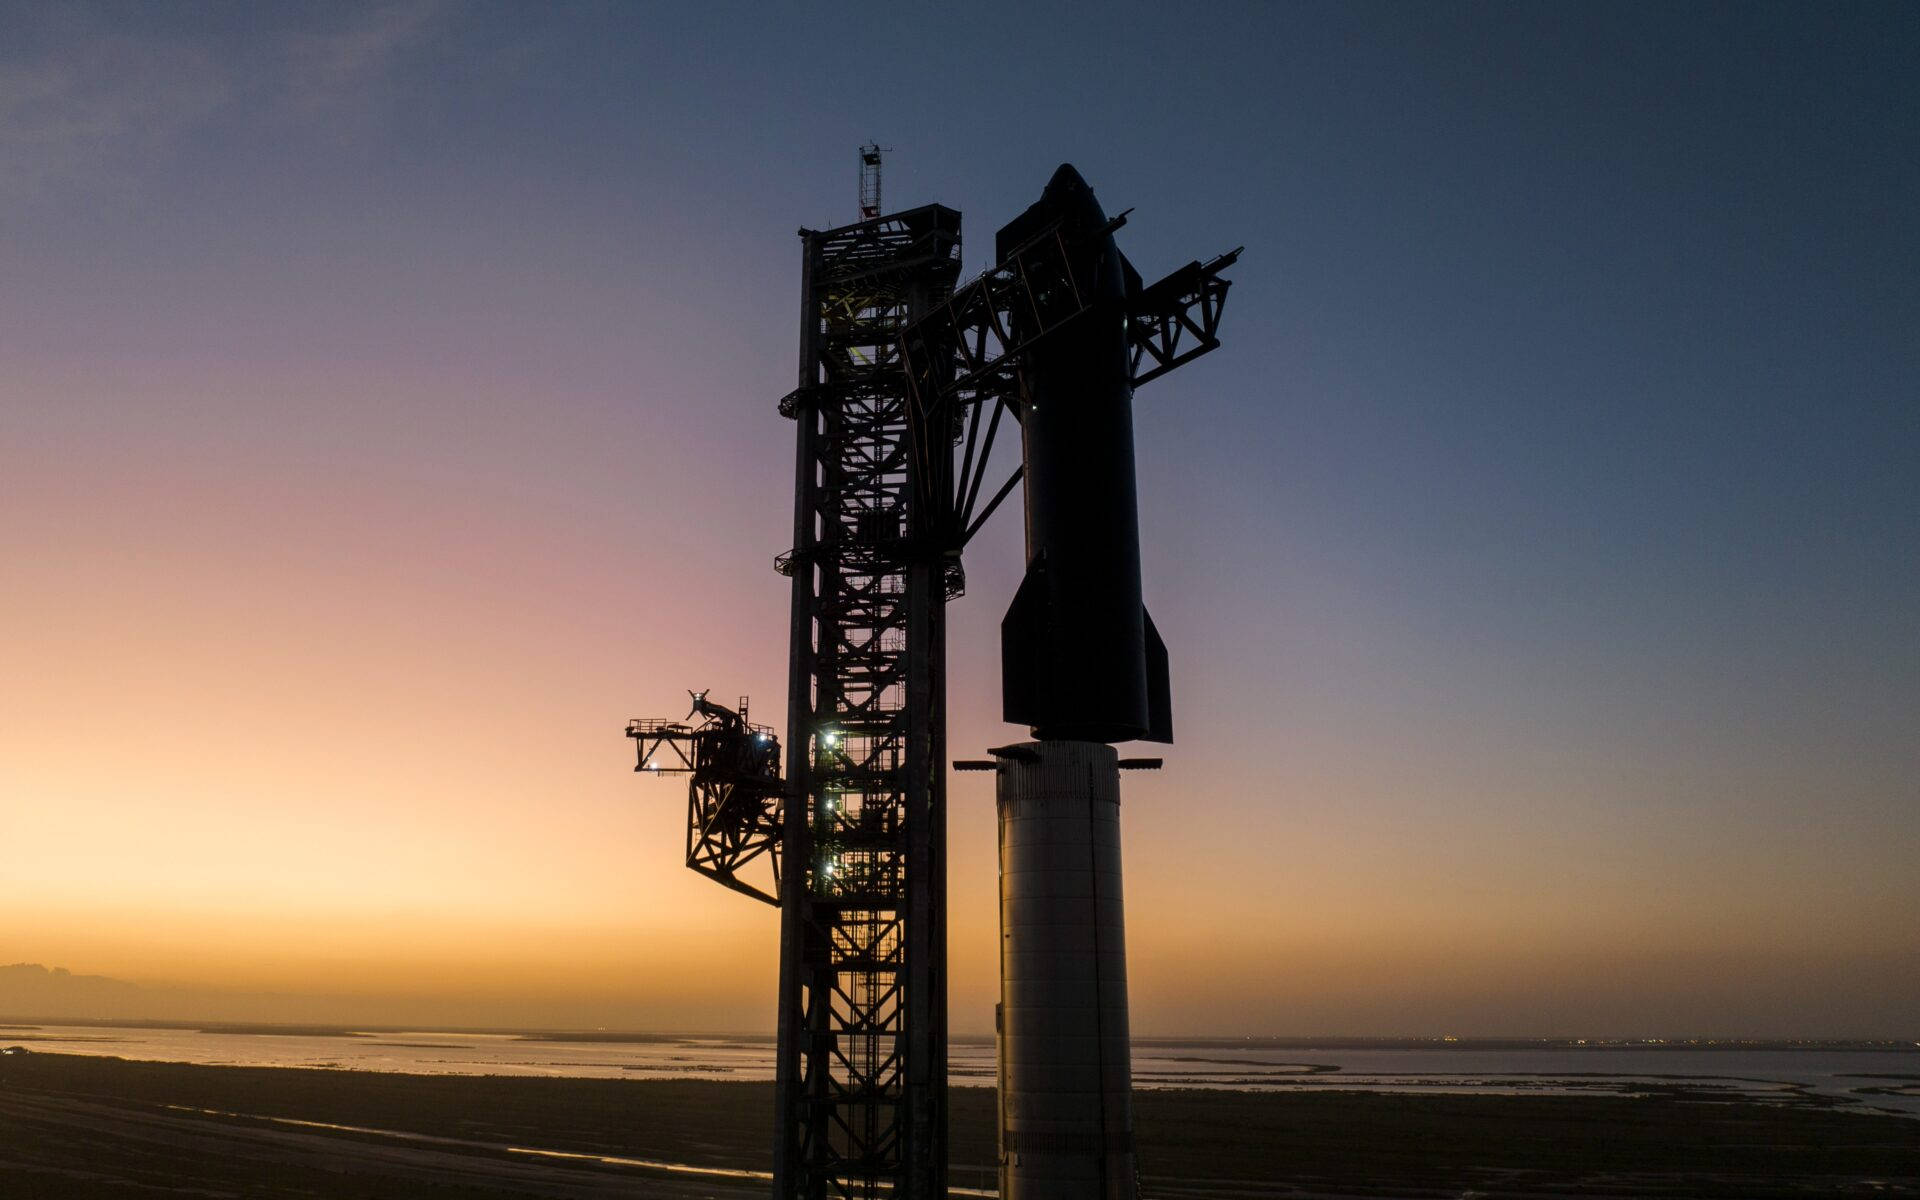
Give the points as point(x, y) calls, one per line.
point(1251, 1041)
point(1864, 1077)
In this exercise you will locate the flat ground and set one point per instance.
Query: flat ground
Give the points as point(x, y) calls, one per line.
point(99, 1127)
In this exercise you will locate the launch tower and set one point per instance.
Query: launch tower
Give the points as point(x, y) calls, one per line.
point(904, 385)
point(861, 1084)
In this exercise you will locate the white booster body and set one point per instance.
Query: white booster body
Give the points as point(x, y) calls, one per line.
point(1066, 1079)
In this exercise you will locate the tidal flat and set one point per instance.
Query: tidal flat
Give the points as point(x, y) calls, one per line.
point(83, 1126)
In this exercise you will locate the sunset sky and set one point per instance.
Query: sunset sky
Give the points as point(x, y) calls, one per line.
point(387, 414)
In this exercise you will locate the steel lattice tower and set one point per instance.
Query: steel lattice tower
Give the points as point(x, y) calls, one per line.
point(861, 1087)
point(900, 376)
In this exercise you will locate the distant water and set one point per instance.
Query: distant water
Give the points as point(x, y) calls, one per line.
point(1886, 1080)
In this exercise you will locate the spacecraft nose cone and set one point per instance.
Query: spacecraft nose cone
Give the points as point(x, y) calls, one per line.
point(1067, 199)
point(1066, 181)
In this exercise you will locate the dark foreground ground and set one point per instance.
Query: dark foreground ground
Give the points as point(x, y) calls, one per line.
point(100, 1127)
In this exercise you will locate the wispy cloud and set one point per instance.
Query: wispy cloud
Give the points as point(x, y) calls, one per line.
point(104, 101)
point(342, 66)
point(90, 106)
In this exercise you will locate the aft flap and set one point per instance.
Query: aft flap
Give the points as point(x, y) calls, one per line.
point(1026, 639)
point(1159, 685)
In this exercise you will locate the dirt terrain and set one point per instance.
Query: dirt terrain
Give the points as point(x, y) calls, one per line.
point(73, 1127)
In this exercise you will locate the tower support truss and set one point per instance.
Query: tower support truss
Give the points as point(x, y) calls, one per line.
point(964, 362)
point(734, 810)
point(861, 1079)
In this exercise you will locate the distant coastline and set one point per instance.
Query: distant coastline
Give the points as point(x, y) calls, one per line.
point(642, 1036)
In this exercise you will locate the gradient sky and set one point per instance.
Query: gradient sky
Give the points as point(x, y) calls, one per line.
point(386, 414)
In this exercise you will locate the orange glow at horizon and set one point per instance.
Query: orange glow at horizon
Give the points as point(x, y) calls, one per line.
point(362, 746)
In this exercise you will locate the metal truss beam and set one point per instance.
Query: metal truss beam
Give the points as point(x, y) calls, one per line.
point(963, 365)
point(735, 812)
point(861, 1084)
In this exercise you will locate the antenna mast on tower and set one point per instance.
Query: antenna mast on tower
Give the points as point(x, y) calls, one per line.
point(870, 180)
